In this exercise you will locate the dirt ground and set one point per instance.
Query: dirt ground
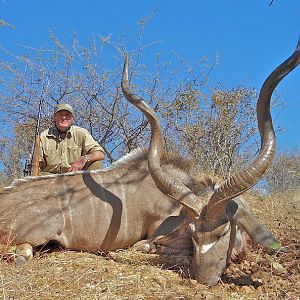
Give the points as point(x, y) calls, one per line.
point(126, 274)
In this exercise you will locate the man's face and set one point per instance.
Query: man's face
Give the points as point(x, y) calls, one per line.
point(63, 119)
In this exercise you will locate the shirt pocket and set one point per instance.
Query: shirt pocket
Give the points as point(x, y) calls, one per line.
point(74, 153)
point(52, 156)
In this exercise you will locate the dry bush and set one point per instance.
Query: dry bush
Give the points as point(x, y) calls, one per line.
point(284, 173)
point(217, 131)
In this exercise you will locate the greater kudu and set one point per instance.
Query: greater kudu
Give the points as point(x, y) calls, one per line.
point(119, 207)
point(214, 220)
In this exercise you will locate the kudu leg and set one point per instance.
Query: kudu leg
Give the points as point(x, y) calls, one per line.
point(170, 237)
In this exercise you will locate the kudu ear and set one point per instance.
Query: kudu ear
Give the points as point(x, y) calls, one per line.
point(256, 230)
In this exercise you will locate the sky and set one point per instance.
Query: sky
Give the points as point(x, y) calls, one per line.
point(250, 37)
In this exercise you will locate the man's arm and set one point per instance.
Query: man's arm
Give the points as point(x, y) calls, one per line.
point(86, 160)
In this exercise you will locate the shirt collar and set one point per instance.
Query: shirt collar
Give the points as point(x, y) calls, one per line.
point(54, 132)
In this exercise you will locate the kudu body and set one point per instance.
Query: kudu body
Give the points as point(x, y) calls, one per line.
point(147, 199)
point(92, 211)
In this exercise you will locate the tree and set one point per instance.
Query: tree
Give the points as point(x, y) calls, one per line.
point(214, 127)
point(217, 130)
point(284, 174)
point(76, 75)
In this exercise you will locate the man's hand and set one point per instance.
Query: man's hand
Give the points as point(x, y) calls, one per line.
point(78, 165)
point(87, 159)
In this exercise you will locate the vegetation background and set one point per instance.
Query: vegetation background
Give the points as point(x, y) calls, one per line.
point(216, 127)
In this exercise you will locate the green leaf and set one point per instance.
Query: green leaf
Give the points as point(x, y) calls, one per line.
point(275, 245)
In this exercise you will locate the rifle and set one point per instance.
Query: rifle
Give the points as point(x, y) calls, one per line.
point(32, 162)
point(37, 141)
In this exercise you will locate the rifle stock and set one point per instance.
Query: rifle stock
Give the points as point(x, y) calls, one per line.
point(36, 148)
point(36, 156)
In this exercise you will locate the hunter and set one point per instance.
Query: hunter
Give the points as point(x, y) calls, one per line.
point(66, 147)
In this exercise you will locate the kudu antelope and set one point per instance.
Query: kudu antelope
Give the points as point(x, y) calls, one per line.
point(213, 221)
point(146, 199)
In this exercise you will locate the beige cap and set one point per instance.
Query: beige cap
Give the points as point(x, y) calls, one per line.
point(64, 106)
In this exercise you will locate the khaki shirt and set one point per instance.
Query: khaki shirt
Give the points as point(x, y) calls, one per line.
point(57, 154)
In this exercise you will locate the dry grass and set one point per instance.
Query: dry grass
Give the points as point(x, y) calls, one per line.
point(131, 275)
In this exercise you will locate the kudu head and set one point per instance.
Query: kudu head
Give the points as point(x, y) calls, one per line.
point(212, 222)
